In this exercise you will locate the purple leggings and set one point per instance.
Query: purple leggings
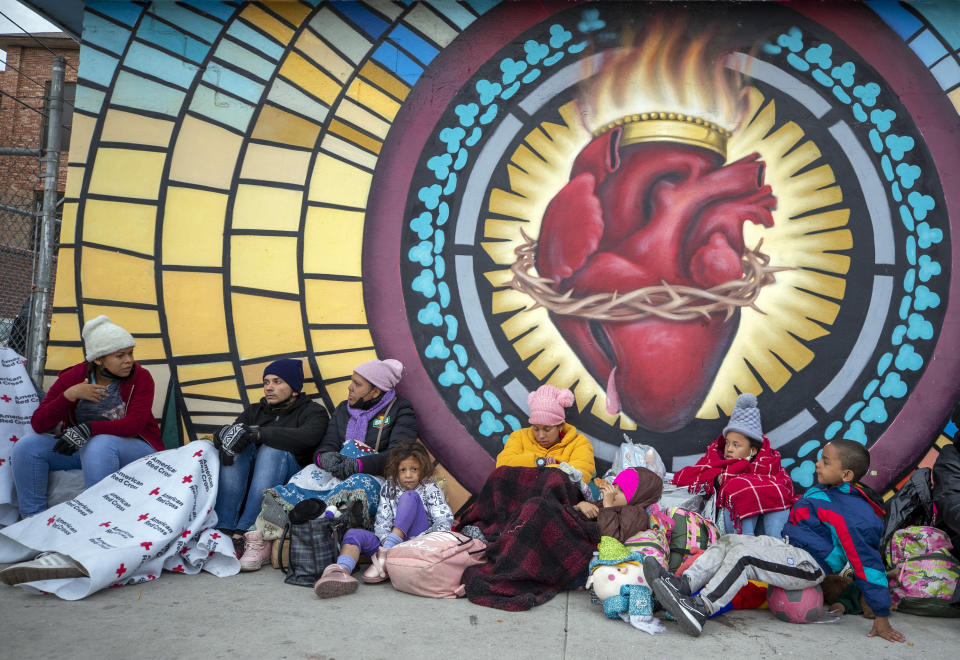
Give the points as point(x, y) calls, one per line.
point(411, 519)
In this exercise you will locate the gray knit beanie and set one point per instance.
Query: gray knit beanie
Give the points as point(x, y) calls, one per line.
point(745, 418)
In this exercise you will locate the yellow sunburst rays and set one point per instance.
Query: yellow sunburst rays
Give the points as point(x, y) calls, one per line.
point(537, 170)
point(803, 303)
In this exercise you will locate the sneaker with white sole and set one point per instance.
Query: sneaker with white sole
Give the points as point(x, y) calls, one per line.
point(256, 551)
point(674, 594)
point(45, 566)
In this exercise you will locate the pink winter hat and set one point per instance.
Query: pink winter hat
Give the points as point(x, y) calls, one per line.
point(628, 480)
point(547, 404)
point(382, 374)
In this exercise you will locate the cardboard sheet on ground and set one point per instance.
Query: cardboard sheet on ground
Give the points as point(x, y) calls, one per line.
point(18, 400)
point(156, 513)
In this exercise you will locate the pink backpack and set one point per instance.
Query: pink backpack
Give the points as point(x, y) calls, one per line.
point(923, 574)
point(432, 565)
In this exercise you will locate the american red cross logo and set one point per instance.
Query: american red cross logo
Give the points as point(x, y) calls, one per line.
point(198, 453)
point(121, 570)
point(13, 438)
point(214, 536)
point(188, 479)
point(143, 516)
point(155, 491)
point(178, 568)
point(146, 544)
point(5, 398)
point(51, 520)
point(105, 524)
point(3, 460)
point(186, 533)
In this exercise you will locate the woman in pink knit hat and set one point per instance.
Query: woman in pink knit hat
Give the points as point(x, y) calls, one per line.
point(549, 441)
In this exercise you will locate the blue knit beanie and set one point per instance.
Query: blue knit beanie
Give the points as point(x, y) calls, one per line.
point(291, 371)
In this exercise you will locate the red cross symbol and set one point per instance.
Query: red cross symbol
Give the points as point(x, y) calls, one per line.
point(105, 524)
point(152, 577)
point(198, 453)
point(146, 544)
point(155, 491)
point(178, 568)
point(188, 479)
point(186, 533)
point(3, 460)
point(51, 520)
point(208, 510)
point(214, 536)
point(13, 438)
point(5, 398)
point(143, 516)
point(121, 570)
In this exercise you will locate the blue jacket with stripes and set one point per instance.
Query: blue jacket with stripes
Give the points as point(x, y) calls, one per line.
point(840, 524)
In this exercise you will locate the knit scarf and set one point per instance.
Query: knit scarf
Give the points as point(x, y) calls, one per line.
point(360, 418)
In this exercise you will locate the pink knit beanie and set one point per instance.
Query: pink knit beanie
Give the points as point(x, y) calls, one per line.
point(547, 404)
point(383, 374)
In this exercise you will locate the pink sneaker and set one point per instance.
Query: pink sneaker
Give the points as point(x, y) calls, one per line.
point(256, 552)
point(377, 570)
point(334, 582)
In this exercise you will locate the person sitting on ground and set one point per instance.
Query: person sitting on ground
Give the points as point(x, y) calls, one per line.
point(550, 441)
point(411, 504)
point(622, 512)
point(538, 542)
point(97, 417)
point(267, 444)
point(354, 447)
point(753, 489)
point(832, 524)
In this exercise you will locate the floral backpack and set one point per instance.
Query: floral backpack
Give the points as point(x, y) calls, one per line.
point(923, 574)
point(688, 532)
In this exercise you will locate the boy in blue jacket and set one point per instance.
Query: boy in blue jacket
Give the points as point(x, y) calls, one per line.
point(832, 524)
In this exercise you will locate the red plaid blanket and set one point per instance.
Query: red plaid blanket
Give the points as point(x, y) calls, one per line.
point(747, 488)
point(538, 544)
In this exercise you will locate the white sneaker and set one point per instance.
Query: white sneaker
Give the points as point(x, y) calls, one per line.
point(45, 566)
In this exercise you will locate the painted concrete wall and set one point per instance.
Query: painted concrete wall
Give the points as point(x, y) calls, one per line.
point(654, 206)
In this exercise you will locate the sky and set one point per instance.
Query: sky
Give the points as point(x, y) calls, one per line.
point(27, 20)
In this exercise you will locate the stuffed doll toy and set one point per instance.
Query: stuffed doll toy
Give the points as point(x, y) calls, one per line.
point(616, 578)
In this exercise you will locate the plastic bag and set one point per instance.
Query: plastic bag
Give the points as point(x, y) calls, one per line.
point(634, 455)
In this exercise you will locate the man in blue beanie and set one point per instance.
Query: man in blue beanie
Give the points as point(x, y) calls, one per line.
point(266, 445)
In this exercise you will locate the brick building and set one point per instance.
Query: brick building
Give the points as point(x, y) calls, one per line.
point(25, 82)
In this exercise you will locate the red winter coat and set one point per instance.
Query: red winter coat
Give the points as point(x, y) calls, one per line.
point(747, 488)
point(136, 392)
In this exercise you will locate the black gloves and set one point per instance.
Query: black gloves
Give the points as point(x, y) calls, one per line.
point(71, 439)
point(233, 439)
point(339, 465)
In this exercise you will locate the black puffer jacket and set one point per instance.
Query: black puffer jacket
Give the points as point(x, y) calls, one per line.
point(400, 424)
point(297, 429)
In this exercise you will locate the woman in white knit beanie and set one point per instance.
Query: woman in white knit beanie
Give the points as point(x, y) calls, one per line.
point(97, 416)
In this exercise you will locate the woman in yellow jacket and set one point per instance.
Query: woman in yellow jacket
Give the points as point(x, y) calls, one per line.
point(549, 441)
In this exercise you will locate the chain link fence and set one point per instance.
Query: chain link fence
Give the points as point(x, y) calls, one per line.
point(19, 241)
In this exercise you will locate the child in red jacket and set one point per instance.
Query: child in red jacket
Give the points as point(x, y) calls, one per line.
point(751, 485)
point(97, 417)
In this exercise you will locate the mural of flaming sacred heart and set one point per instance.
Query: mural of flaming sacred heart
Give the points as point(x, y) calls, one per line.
point(642, 263)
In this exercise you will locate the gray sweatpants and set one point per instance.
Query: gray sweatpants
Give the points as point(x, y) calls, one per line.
point(723, 569)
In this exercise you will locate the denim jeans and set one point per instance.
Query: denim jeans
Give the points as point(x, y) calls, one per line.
point(771, 524)
point(242, 484)
point(34, 458)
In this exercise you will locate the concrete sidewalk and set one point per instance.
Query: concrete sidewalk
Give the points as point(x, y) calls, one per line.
point(255, 615)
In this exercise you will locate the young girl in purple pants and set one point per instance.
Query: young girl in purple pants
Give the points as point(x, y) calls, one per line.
point(411, 504)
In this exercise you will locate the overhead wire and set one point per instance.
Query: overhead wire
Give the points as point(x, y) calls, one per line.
point(45, 46)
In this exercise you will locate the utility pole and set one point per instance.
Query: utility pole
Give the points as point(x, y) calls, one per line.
point(37, 339)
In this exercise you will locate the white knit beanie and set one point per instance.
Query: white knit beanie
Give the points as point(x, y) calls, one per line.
point(101, 336)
